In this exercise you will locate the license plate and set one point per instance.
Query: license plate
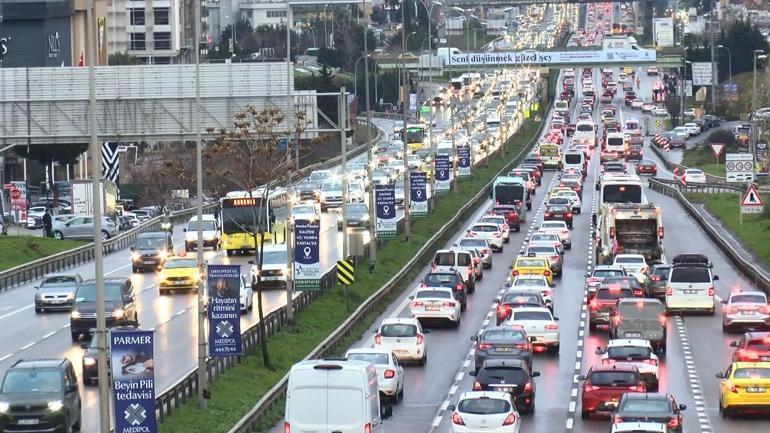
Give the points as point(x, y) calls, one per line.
point(747, 313)
point(148, 262)
point(690, 292)
point(29, 421)
point(502, 349)
point(633, 334)
point(755, 389)
point(270, 278)
point(400, 352)
point(504, 388)
point(432, 308)
point(764, 358)
point(179, 283)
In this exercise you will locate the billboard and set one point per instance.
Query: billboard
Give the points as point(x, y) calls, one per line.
point(443, 173)
point(418, 194)
point(385, 201)
point(463, 162)
point(223, 283)
point(132, 365)
point(307, 262)
point(546, 58)
point(663, 31)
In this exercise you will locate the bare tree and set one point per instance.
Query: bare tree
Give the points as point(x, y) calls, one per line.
point(159, 173)
point(249, 156)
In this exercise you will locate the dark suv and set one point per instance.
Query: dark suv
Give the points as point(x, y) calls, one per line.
point(150, 251)
point(40, 395)
point(90, 359)
point(119, 306)
point(452, 280)
point(508, 375)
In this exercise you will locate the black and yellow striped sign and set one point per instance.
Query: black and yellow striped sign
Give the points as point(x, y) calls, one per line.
point(346, 274)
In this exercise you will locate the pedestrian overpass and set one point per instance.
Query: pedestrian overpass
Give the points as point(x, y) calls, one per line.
point(510, 3)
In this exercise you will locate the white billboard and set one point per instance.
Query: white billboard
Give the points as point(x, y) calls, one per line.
point(545, 58)
point(701, 74)
point(663, 31)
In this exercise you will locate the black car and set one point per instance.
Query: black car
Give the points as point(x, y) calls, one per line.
point(308, 190)
point(711, 120)
point(41, 395)
point(558, 212)
point(634, 153)
point(626, 282)
point(357, 215)
point(656, 284)
point(150, 250)
point(502, 342)
point(513, 376)
point(119, 306)
point(452, 280)
point(650, 407)
point(90, 359)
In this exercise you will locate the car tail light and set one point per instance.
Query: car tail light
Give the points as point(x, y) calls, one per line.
point(475, 260)
point(476, 386)
point(524, 346)
point(368, 428)
point(733, 389)
point(638, 293)
point(607, 361)
point(651, 361)
point(617, 420)
point(390, 374)
point(662, 320)
point(591, 388)
point(655, 278)
point(673, 423)
point(748, 355)
point(471, 233)
point(547, 273)
point(555, 257)
point(557, 244)
point(420, 338)
point(569, 214)
point(515, 273)
point(612, 232)
point(732, 309)
point(459, 287)
point(497, 234)
point(546, 293)
point(286, 427)
point(547, 214)
point(487, 251)
point(449, 304)
point(660, 232)
point(423, 285)
point(510, 419)
point(669, 291)
point(484, 346)
point(416, 304)
point(639, 387)
point(551, 327)
point(565, 232)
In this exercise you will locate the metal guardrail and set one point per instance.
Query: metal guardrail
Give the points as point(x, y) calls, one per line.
point(697, 188)
point(77, 256)
point(254, 420)
point(750, 271)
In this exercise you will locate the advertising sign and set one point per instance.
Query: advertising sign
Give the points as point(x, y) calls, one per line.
point(546, 58)
point(443, 174)
point(307, 262)
point(385, 200)
point(418, 194)
point(761, 160)
point(739, 167)
point(132, 366)
point(663, 29)
point(701, 74)
point(18, 195)
point(464, 162)
point(224, 310)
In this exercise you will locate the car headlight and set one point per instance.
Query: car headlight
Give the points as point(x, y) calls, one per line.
point(55, 405)
point(365, 218)
point(119, 313)
point(4, 406)
point(88, 362)
point(70, 296)
point(75, 314)
point(135, 256)
point(163, 254)
point(37, 295)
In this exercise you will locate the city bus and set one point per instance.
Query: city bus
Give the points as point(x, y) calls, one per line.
point(512, 191)
point(550, 154)
point(237, 214)
point(415, 136)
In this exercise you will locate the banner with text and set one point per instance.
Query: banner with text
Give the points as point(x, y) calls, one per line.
point(385, 200)
point(463, 162)
point(307, 262)
point(545, 58)
point(418, 194)
point(224, 310)
point(133, 381)
point(443, 174)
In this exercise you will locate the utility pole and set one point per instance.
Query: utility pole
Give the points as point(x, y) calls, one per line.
point(96, 184)
point(405, 94)
point(203, 382)
point(289, 237)
point(342, 123)
point(369, 162)
point(713, 23)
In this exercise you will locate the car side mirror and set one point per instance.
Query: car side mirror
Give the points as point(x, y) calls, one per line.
point(588, 274)
point(411, 296)
point(724, 301)
point(131, 248)
point(37, 287)
point(733, 344)
point(552, 285)
point(387, 412)
point(451, 407)
point(475, 338)
point(251, 262)
point(682, 407)
point(599, 350)
point(716, 277)
point(535, 374)
point(374, 331)
point(581, 377)
point(498, 301)
point(426, 331)
point(184, 229)
point(472, 373)
point(720, 375)
point(532, 339)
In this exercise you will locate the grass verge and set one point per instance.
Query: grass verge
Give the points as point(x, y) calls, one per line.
point(236, 391)
point(701, 157)
point(17, 250)
point(754, 233)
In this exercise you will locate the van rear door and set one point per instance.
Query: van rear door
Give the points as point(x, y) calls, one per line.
point(329, 400)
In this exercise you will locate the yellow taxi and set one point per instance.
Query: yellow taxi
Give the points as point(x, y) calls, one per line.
point(179, 273)
point(745, 386)
point(532, 265)
point(628, 70)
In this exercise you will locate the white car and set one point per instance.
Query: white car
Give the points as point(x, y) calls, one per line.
point(634, 264)
point(480, 245)
point(405, 337)
point(532, 283)
point(639, 427)
point(549, 238)
point(574, 198)
point(414, 162)
point(246, 295)
point(692, 128)
point(633, 351)
point(381, 177)
point(356, 191)
point(549, 252)
point(539, 324)
point(489, 231)
point(694, 175)
point(306, 212)
point(660, 112)
point(390, 374)
point(681, 132)
point(435, 303)
point(558, 228)
point(500, 221)
point(275, 266)
point(487, 411)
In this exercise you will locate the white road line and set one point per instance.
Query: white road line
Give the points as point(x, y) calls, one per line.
point(452, 390)
point(4, 357)
point(48, 335)
point(26, 346)
point(15, 312)
point(436, 421)
point(460, 375)
point(570, 423)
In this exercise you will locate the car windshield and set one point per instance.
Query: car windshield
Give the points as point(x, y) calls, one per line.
point(629, 260)
point(614, 293)
point(332, 186)
point(625, 282)
point(181, 263)
point(356, 208)
point(661, 271)
point(444, 259)
point(629, 352)
point(441, 294)
point(640, 310)
point(485, 228)
point(398, 330)
point(206, 226)
point(59, 279)
point(507, 335)
point(543, 237)
point(528, 263)
point(493, 220)
point(521, 298)
point(759, 345)
point(752, 373)
point(374, 358)
point(604, 273)
point(274, 257)
point(690, 275)
point(150, 243)
point(502, 375)
point(558, 208)
point(483, 406)
point(473, 243)
point(542, 250)
point(531, 315)
point(610, 378)
point(303, 209)
point(32, 381)
point(753, 299)
point(553, 226)
point(87, 292)
point(440, 279)
point(530, 282)
point(646, 405)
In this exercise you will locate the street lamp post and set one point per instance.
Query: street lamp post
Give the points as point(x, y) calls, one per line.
point(683, 96)
point(355, 73)
point(429, 10)
point(758, 55)
point(369, 162)
point(233, 36)
point(729, 62)
point(404, 38)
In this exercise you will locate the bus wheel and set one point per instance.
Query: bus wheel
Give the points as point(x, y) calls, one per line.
point(229, 253)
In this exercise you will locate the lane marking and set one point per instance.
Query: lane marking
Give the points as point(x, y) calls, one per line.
point(693, 379)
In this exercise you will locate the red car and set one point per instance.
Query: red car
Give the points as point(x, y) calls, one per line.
point(602, 303)
point(646, 166)
point(510, 213)
point(535, 160)
point(604, 385)
point(558, 212)
point(630, 96)
point(752, 347)
point(570, 129)
point(634, 153)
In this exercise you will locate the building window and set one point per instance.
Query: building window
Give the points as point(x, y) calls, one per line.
point(276, 14)
point(161, 16)
point(137, 41)
point(162, 40)
point(136, 16)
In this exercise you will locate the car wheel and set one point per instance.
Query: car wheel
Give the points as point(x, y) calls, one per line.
point(39, 310)
point(58, 235)
point(424, 360)
point(75, 335)
point(489, 266)
point(456, 323)
point(401, 393)
point(507, 240)
point(724, 328)
point(229, 253)
point(88, 381)
point(554, 350)
point(584, 414)
point(105, 235)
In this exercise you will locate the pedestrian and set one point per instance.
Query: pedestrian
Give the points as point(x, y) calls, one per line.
point(47, 223)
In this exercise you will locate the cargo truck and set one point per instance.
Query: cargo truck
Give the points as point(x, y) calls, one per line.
point(82, 197)
point(629, 228)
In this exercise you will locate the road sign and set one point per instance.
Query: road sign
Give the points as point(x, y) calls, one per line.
point(751, 198)
point(701, 74)
point(15, 194)
point(346, 273)
point(739, 167)
point(657, 123)
point(717, 148)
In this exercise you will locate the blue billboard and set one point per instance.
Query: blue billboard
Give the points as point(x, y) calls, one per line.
point(463, 162)
point(385, 200)
point(418, 194)
point(307, 262)
point(223, 283)
point(443, 173)
point(132, 366)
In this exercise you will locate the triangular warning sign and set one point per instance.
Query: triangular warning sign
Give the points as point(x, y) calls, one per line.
point(717, 148)
point(752, 197)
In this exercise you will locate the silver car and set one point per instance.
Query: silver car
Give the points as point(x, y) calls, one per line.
point(82, 227)
point(56, 292)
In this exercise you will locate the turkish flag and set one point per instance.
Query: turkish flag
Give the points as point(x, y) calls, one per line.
point(82, 60)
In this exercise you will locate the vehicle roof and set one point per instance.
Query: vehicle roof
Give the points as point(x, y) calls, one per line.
point(513, 363)
point(472, 395)
point(760, 364)
point(204, 217)
point(646, 395)
point(382, 350)
point(433, 288)
point(748, 292)
point(618, 366)
point(152, 235)
point(532, 309)
point(399, 320)
point(639, 301)
point(39, 363)
point(61, 274)
point(628, 342)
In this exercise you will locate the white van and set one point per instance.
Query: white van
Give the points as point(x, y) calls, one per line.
point(456, 260)
point(616, 143)
point(690, 284)
point(560, 105)
point(211, 233)
point(493, 124)
point(574, 159)
point(585, 132)
point(333, 396)
point(631, 125)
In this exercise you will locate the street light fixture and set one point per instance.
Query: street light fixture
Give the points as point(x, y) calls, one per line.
point(355, 74)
